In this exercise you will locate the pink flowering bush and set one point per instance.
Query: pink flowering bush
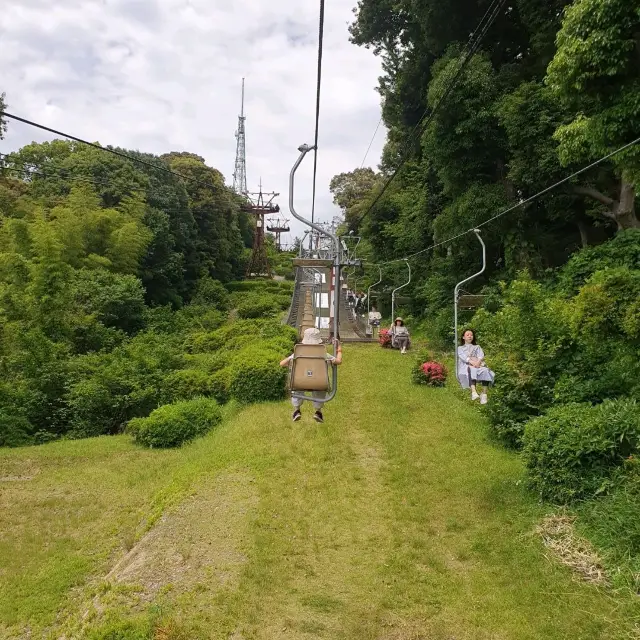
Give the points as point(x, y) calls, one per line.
point(430, 373)
point(384, 338)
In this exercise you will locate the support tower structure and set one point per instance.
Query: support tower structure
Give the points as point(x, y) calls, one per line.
point(240, 170)
point(278, 226)
point(260, 204)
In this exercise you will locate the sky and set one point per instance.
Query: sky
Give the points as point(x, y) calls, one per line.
point(165, 75)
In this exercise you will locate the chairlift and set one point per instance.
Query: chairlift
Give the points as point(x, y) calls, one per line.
point(465, 301)
point(310, 371)
point(393, 293)
point(395, 298)
point(369, 329)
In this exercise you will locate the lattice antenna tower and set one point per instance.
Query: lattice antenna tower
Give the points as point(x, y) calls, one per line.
point(240, 171)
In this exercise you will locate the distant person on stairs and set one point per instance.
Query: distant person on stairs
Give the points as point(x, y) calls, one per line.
point(312, 336)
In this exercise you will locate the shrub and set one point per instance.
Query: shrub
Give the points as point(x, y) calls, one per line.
point(612, 523)
point(186, 384)
point(211, 292)
point(174, 424)
point(106, 390)
point(384, 338)
point(221, 385)
point(573, 450)
point(256, 376)
point(621, 251)
point(116, 300)
point(430, 373)
point(262, 307)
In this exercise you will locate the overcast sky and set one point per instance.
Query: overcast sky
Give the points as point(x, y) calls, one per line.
point(165, 75)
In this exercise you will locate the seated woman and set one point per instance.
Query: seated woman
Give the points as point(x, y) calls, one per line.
point(399, 335)
point(472, 368)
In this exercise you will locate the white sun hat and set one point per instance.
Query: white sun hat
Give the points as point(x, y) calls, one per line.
point(312, 336)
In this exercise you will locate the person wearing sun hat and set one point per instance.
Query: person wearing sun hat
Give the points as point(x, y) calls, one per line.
point(399, 335)
point(312, 336)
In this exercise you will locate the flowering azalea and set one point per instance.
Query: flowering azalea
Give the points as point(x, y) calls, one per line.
point(384, 338)
point(433, 374)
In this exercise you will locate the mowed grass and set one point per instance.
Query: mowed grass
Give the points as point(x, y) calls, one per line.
point(396, 519)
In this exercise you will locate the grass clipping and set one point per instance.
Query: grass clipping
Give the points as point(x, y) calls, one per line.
point(559, 536)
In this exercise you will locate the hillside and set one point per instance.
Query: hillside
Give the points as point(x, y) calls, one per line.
point(396, 519)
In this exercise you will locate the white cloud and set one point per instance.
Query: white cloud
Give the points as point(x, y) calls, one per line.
point(164, 75)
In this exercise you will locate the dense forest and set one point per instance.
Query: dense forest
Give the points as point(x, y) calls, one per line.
point(553, 87)
point(116, 276)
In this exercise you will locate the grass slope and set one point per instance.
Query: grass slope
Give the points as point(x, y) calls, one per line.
point(396, 519)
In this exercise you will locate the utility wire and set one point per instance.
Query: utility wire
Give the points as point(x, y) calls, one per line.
point(373, 137)
point(515, 206)
point(107, 149)
point(319, 82)
point(422, 124)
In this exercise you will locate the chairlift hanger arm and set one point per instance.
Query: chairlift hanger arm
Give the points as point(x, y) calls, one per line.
point(402, 286)
point(456, 291)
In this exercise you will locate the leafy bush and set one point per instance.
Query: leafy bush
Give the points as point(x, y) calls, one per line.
point(186, 384)
point(256, 376)
point(211, 292)
point(573, 451)
point(174, 424)
point(612, 523)
point(255, 307)
point(106, 390)
point(116, 300)
point(621, 251)
point(430, 373)
point(220, 383)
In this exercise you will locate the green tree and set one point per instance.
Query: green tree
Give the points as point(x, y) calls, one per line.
point(596, 73)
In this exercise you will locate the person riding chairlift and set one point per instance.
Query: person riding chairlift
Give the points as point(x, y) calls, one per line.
point(472, 368)
point(312, 336)
point(399, 335)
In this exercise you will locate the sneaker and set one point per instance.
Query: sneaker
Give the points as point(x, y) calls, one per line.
point(474, 395)
point(483, 398)
point(297, 414)
point(317, 416)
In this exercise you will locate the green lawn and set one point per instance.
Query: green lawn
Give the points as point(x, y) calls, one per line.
point(395, 520)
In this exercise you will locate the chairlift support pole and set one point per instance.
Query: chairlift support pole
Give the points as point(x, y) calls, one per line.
point(456, 292)
point(393, 293)
point(304, 149)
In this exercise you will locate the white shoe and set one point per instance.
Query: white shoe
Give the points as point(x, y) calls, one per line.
point(483, 398)
point(474, 395)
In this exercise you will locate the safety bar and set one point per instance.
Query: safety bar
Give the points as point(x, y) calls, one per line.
point(456, 292)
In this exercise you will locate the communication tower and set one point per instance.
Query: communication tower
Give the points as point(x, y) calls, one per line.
point(240, 171)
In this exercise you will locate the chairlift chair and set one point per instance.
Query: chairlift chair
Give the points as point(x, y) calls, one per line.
point(309, 369)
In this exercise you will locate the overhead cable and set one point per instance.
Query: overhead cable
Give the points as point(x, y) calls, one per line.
point(319, 83)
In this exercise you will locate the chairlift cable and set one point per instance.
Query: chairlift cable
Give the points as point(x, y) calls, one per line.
point(422, 124)
point(319, 83)
point(517, 205)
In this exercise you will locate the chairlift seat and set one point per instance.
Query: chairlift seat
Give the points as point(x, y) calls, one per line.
point(468, 301)
point(309, 369)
